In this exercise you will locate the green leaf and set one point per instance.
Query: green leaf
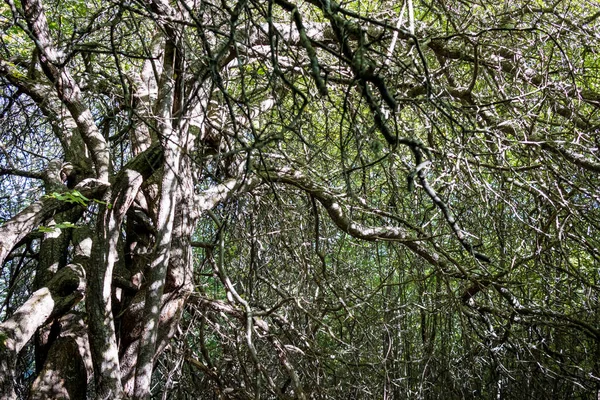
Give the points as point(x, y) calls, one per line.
point(73, 197)
point(66, 225)
point(59, 226)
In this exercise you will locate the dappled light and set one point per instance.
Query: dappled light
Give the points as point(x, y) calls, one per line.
point(299, 200)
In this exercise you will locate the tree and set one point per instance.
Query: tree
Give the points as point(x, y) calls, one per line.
point(299, 199)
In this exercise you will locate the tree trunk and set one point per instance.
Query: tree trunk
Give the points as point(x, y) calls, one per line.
point(62, 292)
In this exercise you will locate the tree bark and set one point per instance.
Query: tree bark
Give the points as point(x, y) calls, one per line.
point(103, 341)
point(68, 369)
point(62, 292)
point(67, 89)
point(169, 195)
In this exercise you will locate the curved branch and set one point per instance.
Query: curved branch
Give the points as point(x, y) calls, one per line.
point(577, 159)
point(458, 232)
point(67, 89)
point(336, 212)
point(15, 230)
point(62, 123)
point(61, 293)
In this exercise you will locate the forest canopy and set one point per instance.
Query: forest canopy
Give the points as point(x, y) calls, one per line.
point(299, 199)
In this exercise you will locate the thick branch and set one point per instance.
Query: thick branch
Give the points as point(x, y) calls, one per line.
point(103, 341)
point(66, 87)
point(14, 230)
point(577, 159)
point(166, 213)
point(20, 172)
point(62, 123)
point(62, 292)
